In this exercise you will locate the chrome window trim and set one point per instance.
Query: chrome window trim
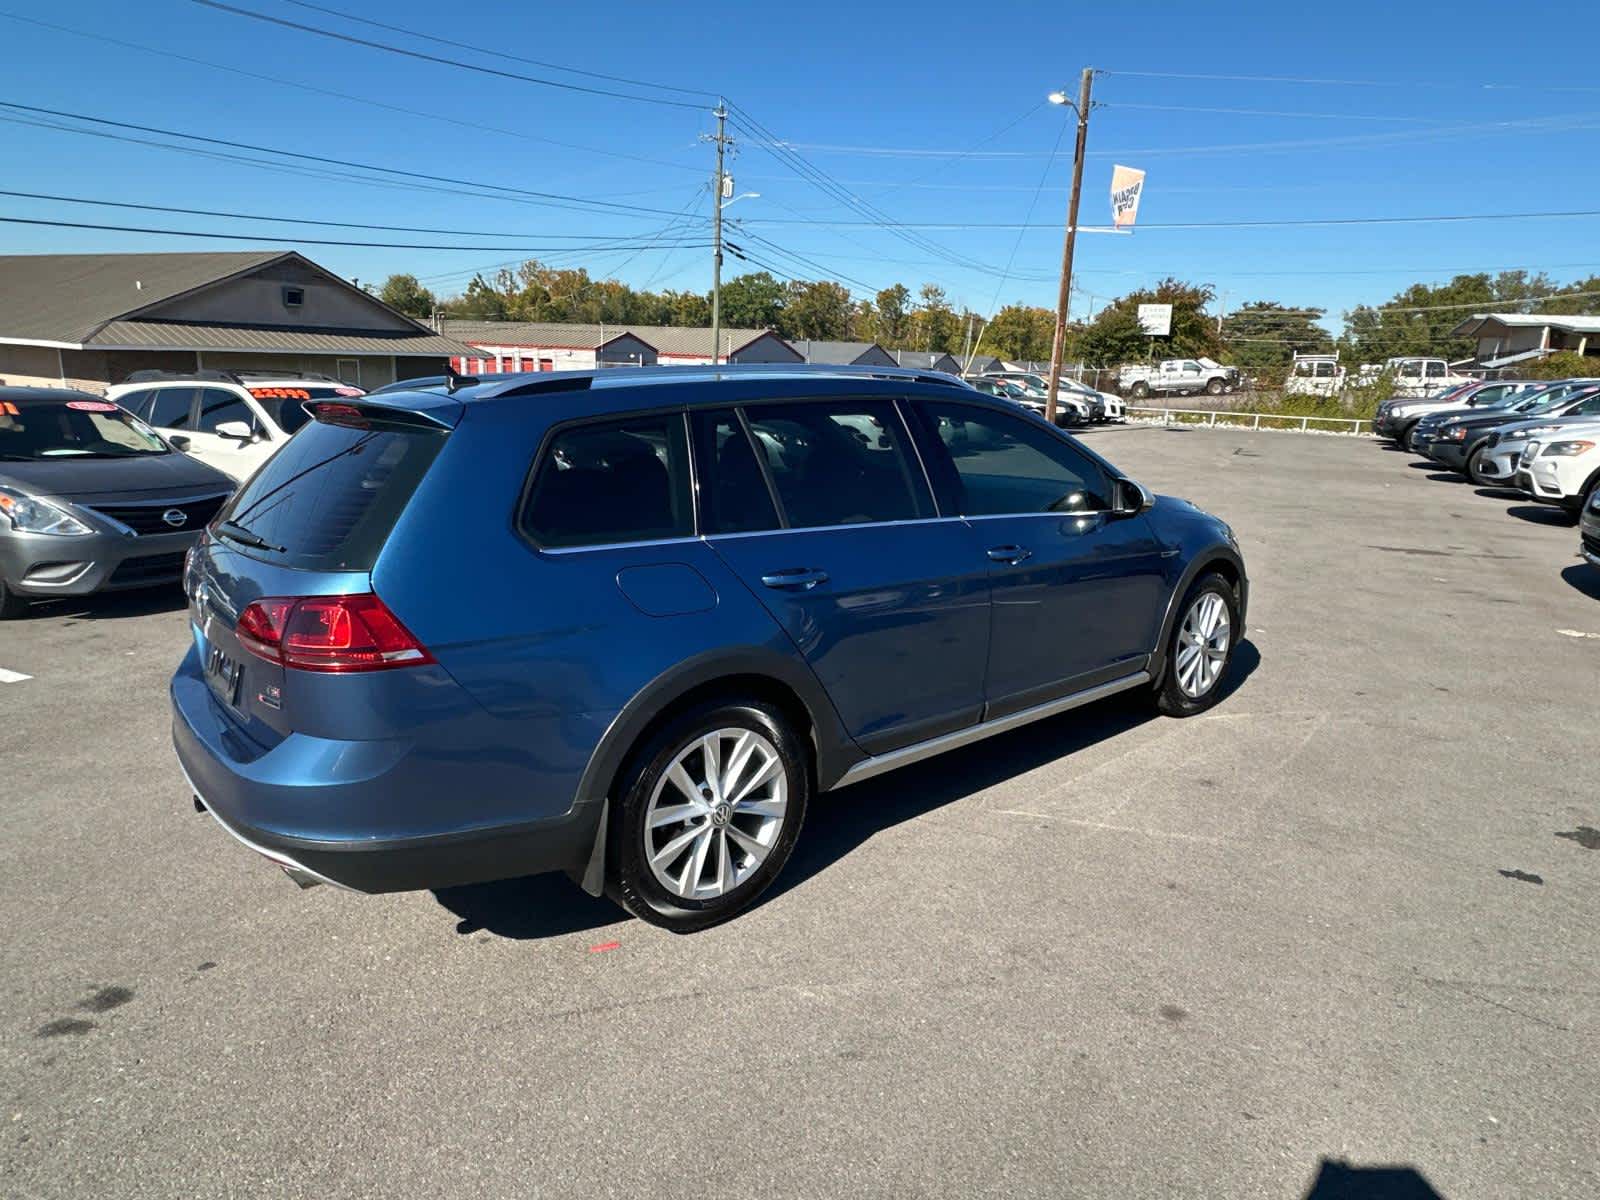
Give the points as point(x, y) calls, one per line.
point(715, 537)
point(752, 533)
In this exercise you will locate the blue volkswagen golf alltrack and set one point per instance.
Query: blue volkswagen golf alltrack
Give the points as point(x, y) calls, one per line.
point(625, 624)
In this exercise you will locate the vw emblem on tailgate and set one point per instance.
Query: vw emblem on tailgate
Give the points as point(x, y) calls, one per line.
point(175, 517)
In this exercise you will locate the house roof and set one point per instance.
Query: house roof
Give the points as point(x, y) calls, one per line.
point(664, 339)
point(926, 360)
point(270, 339)
point(836, 353)
point(66, 297)
point(96, 300)
point(1573, 324)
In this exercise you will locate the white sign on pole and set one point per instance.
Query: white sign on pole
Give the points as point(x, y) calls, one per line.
point(1156, 319)
point(727, 187)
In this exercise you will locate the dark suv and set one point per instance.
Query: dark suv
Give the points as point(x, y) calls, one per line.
point(626, 623)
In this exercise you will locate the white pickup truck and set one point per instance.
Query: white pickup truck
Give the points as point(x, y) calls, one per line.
point(1314, 375)
point(1179, 376)
point(1414, 376)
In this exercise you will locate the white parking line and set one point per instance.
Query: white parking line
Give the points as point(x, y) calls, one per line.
point(13, 676)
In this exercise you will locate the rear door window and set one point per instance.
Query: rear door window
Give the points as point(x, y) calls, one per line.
point(734, 497)
point(219, 406)
point(172, 408)
point(611, 482)
point(839, 462)
point(331, 497)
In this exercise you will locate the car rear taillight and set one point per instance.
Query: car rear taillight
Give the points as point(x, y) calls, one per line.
point(329, 633)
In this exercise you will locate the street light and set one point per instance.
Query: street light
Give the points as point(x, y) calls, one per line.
point(1057, 98)
point(739, 197)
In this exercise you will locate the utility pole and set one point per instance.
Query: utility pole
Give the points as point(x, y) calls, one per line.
point(721, 113)
point(1059, 345)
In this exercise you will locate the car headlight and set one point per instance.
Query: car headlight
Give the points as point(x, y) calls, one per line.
point(29, 514)
point(1400, 410)
point(1567, 449)
point(1456, 433)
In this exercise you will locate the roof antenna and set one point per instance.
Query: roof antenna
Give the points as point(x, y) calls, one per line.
point(453, 379)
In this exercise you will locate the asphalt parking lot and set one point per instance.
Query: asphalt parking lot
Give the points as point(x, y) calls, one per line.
point(1349, 919)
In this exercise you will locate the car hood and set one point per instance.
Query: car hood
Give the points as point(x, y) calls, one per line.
point(1526, 423)
point(82, 478)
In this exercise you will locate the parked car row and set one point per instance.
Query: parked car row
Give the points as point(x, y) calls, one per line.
point(1541, 438)
point(1076, 403)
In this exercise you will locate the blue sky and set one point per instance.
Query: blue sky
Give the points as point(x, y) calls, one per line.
point(930, 113)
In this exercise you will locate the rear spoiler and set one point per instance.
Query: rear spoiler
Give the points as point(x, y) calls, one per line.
point(405, 410)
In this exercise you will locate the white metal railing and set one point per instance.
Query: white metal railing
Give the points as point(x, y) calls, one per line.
point(1248, 420)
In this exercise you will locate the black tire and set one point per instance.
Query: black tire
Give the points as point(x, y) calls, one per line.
point(1403, 440)
point(1139, 390)
point(11, 604)
point(1170, 697)
point(1214, 387)
point(630, 880)
point(1474, 468)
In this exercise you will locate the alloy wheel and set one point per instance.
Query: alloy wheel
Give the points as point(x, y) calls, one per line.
point(1204, 640)
point(716, 813)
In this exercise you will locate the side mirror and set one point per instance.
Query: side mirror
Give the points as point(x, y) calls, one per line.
point(1133, 498)
point(239, 431)
point(178, 442)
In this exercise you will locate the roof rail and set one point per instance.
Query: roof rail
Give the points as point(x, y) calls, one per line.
point(151, 375)
point(217, 375)
point(644, 376)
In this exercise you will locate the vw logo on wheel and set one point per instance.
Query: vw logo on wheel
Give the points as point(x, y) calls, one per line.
point(175, 517)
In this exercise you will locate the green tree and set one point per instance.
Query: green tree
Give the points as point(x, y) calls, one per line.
point(1114, 337)
point(934, 324)
point(688, 308)
point(1021, 333)
point(406, 293)
point(816, 310)
point(893, 316)
point(753, 301)
point(1263, 337)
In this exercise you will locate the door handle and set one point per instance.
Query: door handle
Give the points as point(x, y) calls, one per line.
point(803, 578)
point(1010, 554)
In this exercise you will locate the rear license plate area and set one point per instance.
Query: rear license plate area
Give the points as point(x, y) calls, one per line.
point(224, 674)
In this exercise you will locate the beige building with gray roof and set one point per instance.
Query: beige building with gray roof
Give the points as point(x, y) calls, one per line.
point(89, 320)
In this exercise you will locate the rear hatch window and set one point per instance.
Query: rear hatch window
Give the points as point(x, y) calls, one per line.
point(330, 498)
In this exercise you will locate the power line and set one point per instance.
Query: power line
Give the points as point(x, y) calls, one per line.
point(775, 248)
point(478, 49)
point(279, 81)
point(1259, 112)
point(435, 58)
point(556, 199)
point(1374, 83)
point(238, 216)
point(825, 183)
point(271, 237)
point(1315, 221)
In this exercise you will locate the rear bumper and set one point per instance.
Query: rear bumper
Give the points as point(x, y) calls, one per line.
point(261, 799)
point(44, 565)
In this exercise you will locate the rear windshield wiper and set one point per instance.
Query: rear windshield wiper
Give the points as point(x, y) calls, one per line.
point(244, 537)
